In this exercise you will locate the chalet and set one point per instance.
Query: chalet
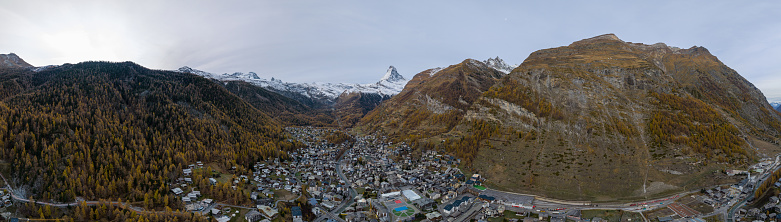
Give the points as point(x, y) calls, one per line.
point(486, 198)
point(267, 211)
point(448, 209)
point(253, 216)
point(223, 219)
point(297, 215)
point(194, 195)
point(424, 203)
point(177, 191)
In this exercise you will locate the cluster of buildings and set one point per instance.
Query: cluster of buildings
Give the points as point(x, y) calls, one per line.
point(428, 184)
point(5, 199)
point(380, 167)
point(310, 171)
point(393, 182)
point(769, 211)
point(720, 196)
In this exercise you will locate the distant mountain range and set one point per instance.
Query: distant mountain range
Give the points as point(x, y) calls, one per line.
point(776, 105)
point(317, 94)
point(314, 94)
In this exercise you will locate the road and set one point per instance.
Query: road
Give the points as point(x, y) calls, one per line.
point(348, 201)
point(294, 199)
point(122, 205)
point(730, 214)
point(728, 210)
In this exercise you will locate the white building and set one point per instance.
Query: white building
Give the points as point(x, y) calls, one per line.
point(410, 195)
point(391, 194)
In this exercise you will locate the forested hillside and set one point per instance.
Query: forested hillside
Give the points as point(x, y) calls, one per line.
point(118, 130)
point(285, 110)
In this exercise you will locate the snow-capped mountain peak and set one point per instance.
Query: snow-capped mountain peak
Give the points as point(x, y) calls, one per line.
point(241, 75)
point(776, 104)
point(392, 75)
point(499, 64)
point(390, 84)
point(187, 69)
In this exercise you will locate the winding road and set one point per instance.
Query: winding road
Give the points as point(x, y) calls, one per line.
point(334, 213)
point(122, 205)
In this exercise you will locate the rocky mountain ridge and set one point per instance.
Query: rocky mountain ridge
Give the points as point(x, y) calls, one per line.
point(598, 119)
point(11, 60)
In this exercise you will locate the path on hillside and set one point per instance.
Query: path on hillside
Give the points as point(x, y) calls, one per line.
point(122, 205)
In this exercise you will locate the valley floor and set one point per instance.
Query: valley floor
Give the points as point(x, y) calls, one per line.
point(367, 177)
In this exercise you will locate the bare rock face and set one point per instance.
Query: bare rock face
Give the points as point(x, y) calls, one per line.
point(13, 61)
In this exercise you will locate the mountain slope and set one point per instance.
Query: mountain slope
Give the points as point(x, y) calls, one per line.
point(119, 130)
point(351, 107)
point(12, 61)
point(602, 119)
point(286, 110)
point(433, 101)
point(630, 109)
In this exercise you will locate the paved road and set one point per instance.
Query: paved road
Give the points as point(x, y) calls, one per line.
point(122, 205)
point(277, 202)
point(338, 210)
point(731, 212)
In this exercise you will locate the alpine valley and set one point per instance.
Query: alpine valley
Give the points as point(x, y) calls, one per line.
point(600, 120)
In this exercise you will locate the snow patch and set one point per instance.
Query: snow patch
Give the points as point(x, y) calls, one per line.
point(499, 65)
point(391, 84)
point(42, 68)
point(434, 71)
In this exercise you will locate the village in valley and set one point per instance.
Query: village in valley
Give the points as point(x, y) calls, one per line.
point(338, 177)
point(367, 178)
point(360, 179)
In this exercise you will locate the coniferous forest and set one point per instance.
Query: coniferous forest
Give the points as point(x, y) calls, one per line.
point(100, 130)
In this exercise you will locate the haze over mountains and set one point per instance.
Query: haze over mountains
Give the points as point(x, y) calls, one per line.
point(599, 119)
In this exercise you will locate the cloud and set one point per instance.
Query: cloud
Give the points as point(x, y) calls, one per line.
point(355, 41)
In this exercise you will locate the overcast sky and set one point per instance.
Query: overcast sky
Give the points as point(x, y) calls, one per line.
point(355, 41)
